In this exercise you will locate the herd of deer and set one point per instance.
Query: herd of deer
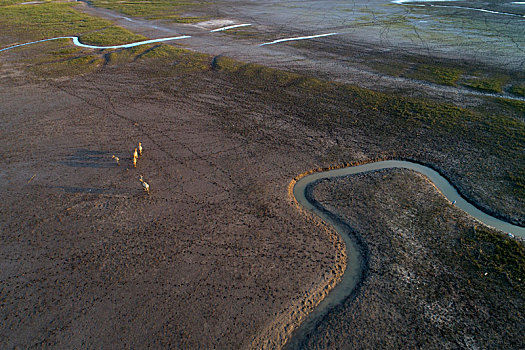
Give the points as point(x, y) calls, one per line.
point(136, 155)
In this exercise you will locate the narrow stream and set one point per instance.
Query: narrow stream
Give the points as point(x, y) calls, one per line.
point(356, 262)
point(123, 46)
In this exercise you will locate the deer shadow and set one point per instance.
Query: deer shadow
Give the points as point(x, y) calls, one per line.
point(84, 158)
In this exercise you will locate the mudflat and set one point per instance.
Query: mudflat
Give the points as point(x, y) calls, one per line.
point(217, 255)
point(432, 277)
point(212, 257)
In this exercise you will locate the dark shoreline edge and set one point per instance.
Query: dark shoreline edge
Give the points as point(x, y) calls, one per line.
point(299, 343)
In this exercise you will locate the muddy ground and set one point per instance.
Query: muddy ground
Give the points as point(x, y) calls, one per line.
point(426, 286)
point(216, 255)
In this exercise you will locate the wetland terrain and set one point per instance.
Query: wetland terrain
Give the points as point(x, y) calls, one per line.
point(219, 254)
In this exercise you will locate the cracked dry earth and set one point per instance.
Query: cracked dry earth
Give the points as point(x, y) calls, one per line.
point(211, 258)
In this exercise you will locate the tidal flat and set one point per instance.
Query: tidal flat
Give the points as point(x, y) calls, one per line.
point(217, 255)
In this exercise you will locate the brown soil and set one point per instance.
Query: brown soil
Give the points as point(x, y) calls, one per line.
point(210, 258)
point(216, 255)
point(422, 290)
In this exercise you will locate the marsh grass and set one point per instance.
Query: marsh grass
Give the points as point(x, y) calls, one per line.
point(497, 134)
point(487, 83)
point(153, 9)
point(60, 58)
point(60, 19)
point(497, 255)
point(174, 60)
point(110, 36)
point(436, 74)
point(244, 32)
point(47, 21)
point(126, 55)
point(394, 70)
point(518, 107)
point(518, 89)
point(68, 67)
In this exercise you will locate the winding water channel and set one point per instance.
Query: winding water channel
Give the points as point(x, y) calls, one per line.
point(356, 262)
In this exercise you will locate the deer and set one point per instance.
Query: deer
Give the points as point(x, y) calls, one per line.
point(135, 157)
point(145, 185)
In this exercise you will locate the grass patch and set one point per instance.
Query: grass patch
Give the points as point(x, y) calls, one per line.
point(14, 2)
point(111, 36)
point(51, 52)
point(126, 55)
point(47, 21)
point(393, 69)
point(61, 58)
point(244, 32)
point(518, 89)
point(436, 74)
point(181, 60)
point(518, 179)
point(65, 51)
point(514, 105)
point(488, 84)
point(153, 9)
point(495, 254)
point(265, 75)
point(74, 66)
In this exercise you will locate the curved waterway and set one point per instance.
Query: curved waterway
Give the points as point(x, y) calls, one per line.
point(356, 263)
point(123, 46)
point(420, 3)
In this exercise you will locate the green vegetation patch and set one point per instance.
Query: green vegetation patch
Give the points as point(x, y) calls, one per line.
point(245, 32)
point(61, 58)
point(74, 66)
point(152, 9)
point(495, 254)
point(393, 69)
point(436, 74)
point(126, 55)
point(180, 60)
point(65, 51)
point(110, 36)
point(515, 105)
point(518, 89)
point(14, 2)
point(518, 179)
point(47, 21)
point(51, 52)
point(385, 114)
point(264, 75)
point(488, 84)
